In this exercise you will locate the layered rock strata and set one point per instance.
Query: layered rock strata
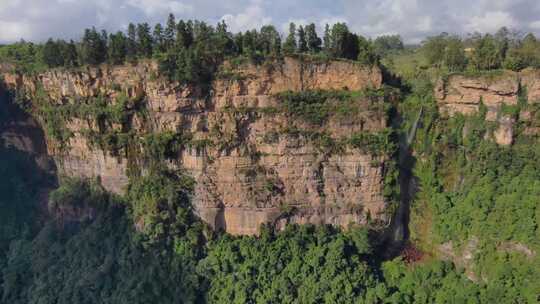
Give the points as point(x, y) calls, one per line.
point(495, 91)
point(252, 163)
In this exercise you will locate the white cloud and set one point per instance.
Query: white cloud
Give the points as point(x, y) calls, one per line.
point(491, 21)
point(285, 25)
point(153, 7)
point(535, 25)
point(252, 17)
point(13, 31)
point(332, 20)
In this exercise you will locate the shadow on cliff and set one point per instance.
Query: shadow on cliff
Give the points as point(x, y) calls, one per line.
point(23, 152)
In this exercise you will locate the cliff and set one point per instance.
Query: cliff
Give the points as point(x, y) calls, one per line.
point(508, 97)
point(257, 154)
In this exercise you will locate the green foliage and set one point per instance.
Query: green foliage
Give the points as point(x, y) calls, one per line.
point(445, 50)
point(489, 53)
point(433, 282)
point(77, 193)
point(316, 106)
point(290, 45)
point(144, 40)
point(25, 56)
point(59, 53)
point(525, 54)
point(387, 43)
point(101, 262)
point(472, 189)
point(302, 42)
point(342, 43)
point(117, 48)
point(100, 112)
point(510, 110)
point(93, 47)
point(160, 206)
point(375, 143)
point(301, 264)
point(313, 41)
point(165, 145)
point(186, 66)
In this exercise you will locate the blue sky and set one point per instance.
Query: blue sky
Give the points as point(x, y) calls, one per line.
point(37, 20)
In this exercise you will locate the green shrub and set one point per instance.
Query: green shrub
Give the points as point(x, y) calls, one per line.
point(165, 145)
point(78, 193)
point(380, 143)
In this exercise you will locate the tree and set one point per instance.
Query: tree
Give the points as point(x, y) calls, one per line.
point(387, 43)
point(94, 48)
point(454, 55)
point(69, 53)
point(144, 39)
point(249, 43)
point(366, 53)
point(238, 40)
point(302, 42)
point(289, 47)
point(159, 39)
point(525, 54)
point(131, 43)
point(327, 38)
point(51, 54)
point(343, 43)
point(313, 41)
point(222, 43)
point(169, 35)
point(184, 38)
point(434, 48)
point(270, 41)
point(487, 54)
point(117, 48)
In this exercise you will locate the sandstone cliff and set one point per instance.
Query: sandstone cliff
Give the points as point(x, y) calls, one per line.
point(252, 162)
point(500, 92)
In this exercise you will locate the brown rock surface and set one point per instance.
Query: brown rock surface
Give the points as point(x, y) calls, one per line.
point(530, 81)
point(242, 178)
point(464, 94)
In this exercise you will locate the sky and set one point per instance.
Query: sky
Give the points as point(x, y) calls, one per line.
point(37, 20)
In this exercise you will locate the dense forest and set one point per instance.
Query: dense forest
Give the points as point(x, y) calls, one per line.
point(88, 249)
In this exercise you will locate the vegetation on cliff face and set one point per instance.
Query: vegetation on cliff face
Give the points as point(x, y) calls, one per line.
point(149, 247)
point(475, 197)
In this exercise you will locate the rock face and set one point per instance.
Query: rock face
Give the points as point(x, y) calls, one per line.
point(465, 94)
point(251, 165)
point(21, 132)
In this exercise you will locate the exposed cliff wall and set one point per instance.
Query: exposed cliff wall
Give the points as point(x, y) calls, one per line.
point(507, 97)
point(252, 161)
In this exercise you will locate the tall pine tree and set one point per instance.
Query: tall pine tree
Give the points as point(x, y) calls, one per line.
point(302, 42)
point(117, 48)
point(159, 39)
point(131, 43)
point(313, 41)
point(94, 48)
point(289, 47)
point(144, 39)
point(169, 35)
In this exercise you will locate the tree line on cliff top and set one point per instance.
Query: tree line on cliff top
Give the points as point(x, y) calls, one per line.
point(189, 50)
